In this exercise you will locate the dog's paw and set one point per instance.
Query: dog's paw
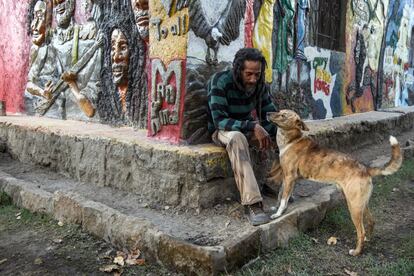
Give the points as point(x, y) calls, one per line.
point(275, 216)
point(353, 252)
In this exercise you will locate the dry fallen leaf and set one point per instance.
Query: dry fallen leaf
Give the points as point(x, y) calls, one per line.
point(60, 223)
point(109, 268)
point(332, 241)
point(140, 261)
point(119, 260)
point(135, 262)
point(18, 217)
point(3, 261)
point(350, 273)
point(38, 261)
point(18, 214)
point(134, 254)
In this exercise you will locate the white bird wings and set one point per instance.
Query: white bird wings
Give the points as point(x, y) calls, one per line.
point(228, 25)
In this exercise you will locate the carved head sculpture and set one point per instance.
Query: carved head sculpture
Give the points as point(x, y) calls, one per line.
point(87, 5)
point(141, 15)
point(119, 57)
point(64, 10)
point(38, 24)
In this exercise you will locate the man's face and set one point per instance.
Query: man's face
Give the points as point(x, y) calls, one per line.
point(141, 14)
point(120, 57)
point(63, 12)
point(251, 75)
point(38, 25)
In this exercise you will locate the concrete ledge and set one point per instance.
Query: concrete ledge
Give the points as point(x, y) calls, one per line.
point(196, 176)
point(361, 129)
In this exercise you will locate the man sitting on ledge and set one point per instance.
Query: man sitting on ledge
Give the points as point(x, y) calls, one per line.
point(232, 97)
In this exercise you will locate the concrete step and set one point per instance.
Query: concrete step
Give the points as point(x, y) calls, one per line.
point(191, 241)
point(178, 175)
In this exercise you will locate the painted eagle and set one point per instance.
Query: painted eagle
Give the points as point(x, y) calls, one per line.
point(223, 31)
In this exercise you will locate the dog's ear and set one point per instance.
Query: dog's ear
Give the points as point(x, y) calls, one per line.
point(304, 126)
point(301, 125)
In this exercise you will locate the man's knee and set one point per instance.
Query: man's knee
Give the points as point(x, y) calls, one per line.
point(238, 138)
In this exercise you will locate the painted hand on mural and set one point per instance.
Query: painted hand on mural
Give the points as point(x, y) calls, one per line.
point(85, 105)
point(47, 91)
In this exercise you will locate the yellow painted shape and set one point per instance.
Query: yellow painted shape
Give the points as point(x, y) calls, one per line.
point(262, 35)
point(323, 75)
point(173, 46)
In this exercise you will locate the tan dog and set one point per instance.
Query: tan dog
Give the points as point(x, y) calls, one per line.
point(301, 157)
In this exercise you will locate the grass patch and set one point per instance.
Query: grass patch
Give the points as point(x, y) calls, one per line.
point(406, 250)
point(5, 199)
point(401, 267)
point(384, 185)
point(284, 260)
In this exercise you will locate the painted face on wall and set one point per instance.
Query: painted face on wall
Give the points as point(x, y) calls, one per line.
point(63, 11)
point(38, 25)
point(141, 14)
point(87, 6)
point(120, 57)
point(251, 75)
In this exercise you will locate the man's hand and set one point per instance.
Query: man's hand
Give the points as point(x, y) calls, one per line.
point(262, 136)
point(47, 91)
point(70, 78)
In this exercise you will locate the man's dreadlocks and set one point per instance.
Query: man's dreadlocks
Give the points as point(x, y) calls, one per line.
point(250, 54)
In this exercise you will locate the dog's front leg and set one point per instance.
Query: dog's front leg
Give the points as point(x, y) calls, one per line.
point(287, 187)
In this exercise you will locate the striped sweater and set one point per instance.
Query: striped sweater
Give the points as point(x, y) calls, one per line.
point(231, 109)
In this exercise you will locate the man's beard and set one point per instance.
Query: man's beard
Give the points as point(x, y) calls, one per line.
point(250, 90)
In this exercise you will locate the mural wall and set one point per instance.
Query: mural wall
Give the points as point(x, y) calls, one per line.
point(145, 63)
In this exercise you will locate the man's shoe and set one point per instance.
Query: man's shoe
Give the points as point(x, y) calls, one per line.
point(256, 215)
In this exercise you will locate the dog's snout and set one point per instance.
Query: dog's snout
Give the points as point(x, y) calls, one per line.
point(269, 115)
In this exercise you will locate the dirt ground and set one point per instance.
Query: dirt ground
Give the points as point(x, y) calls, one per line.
point(32, 244)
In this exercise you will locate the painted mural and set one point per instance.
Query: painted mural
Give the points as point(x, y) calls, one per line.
point(145, 64)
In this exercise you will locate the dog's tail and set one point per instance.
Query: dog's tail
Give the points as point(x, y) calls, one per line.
point(395, 162)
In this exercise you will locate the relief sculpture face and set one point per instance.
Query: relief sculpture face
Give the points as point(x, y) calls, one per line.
point(141, 14)
point(38, 25)
point(120, 58)
point(64, 10)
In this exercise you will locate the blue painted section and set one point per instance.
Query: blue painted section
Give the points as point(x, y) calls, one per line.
point(302, 7)
point(336, 67)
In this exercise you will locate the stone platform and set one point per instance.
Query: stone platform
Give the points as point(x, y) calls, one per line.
point(135, 192)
